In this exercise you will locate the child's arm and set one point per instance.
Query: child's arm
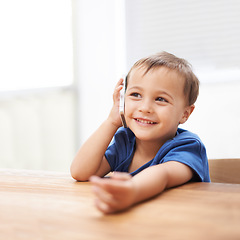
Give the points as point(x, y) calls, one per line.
point(121, 191)
point(90, 158)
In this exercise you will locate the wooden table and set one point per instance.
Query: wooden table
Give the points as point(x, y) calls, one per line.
point(45, 205)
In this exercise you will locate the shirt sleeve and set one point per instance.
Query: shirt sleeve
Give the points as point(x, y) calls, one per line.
point(118, 152)
point(191, 152)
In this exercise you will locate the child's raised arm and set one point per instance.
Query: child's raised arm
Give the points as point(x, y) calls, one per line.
point(90, 158)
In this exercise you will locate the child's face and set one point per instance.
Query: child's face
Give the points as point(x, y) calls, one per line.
point(155, 104)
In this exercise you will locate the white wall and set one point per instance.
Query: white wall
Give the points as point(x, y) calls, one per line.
point(216, 117)
point(44, 124)
point(37, 99)
point(37, 130)
point(207, 34)
point(98, 60)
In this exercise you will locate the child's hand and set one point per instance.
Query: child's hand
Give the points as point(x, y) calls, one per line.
point(113, 194)
point(114, 115)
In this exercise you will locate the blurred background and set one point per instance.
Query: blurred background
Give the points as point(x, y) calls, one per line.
point(60, 61)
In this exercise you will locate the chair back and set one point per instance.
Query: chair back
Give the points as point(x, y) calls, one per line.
point(225, 170)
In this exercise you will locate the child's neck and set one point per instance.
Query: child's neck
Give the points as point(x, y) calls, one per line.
point(144, 152)
point(147, 149)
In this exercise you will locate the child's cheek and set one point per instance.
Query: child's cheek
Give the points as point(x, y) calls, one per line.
point(126, 110)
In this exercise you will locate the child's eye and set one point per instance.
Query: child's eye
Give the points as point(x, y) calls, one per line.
point(160, 99)
point(137, 95)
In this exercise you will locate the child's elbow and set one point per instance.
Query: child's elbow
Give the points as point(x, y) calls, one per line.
point(77, 175)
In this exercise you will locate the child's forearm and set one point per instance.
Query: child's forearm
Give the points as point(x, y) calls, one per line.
point(121, 191)
point(148, 183)
point(156, 179)
point(89, 158)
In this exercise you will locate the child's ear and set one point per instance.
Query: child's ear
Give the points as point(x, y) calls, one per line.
point(187, 112)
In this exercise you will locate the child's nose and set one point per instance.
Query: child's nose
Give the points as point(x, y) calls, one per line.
point(145, 106)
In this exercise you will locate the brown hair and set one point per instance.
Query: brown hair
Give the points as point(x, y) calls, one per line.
point(183, 67)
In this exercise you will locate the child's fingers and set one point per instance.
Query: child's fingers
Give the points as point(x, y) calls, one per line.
point(101, 185)
point(112, 194)
point(105, 202)
point(111, 185)
point(101, 189)
point(119, 83)
point(121, 176)
point(108, 190)
point(103, 207)
point(102, 194)
point(117, 90)
point(94, 179)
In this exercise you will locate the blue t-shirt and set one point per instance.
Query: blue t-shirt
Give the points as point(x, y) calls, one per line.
point(185, 147)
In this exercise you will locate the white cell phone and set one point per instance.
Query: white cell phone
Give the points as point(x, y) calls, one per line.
point(122, 103)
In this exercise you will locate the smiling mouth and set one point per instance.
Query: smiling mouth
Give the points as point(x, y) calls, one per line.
point(144, 121)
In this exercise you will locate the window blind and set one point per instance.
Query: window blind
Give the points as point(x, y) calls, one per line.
point(207, 33)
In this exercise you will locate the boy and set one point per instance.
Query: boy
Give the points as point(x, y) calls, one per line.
point(160, 94)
